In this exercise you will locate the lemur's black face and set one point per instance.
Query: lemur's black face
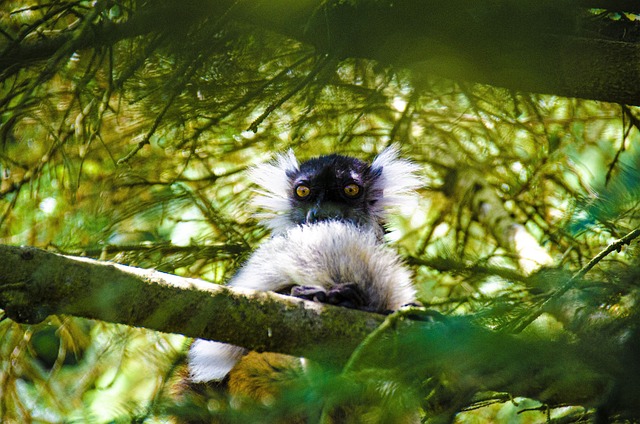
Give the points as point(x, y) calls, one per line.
point(332, 187)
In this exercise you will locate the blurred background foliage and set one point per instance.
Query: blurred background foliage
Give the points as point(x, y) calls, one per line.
point(135, 150)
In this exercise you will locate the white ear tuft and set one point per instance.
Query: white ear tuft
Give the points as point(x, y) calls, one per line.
point(397, 180)
point(274, 189)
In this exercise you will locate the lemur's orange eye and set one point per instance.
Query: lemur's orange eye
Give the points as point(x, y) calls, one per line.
point(302, 191)
point(351, 190)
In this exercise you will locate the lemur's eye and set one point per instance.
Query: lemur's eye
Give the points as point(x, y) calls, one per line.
point(302, 191)
point(351, 190)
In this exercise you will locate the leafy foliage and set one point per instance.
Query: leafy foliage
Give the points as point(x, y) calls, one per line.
point(125, 134)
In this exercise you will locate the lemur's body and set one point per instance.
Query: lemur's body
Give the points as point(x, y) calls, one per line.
point(327, 218)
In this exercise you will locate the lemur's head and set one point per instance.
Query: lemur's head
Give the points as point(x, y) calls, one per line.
point(333, 187)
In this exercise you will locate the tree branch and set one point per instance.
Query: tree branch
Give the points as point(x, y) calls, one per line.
point(542, 48)
point(523, 322)
point(36, 283)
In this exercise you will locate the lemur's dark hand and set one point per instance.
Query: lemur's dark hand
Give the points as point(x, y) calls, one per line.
point(315, 293)
point(345, 295)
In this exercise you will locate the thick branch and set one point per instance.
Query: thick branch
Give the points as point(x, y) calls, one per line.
point(36, 283)
point(530, 46)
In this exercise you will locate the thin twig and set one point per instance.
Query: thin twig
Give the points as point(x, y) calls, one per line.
point(613, 246)
point(275, 105)
point(184, 74)
point(147, 138)
point(633, 123)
